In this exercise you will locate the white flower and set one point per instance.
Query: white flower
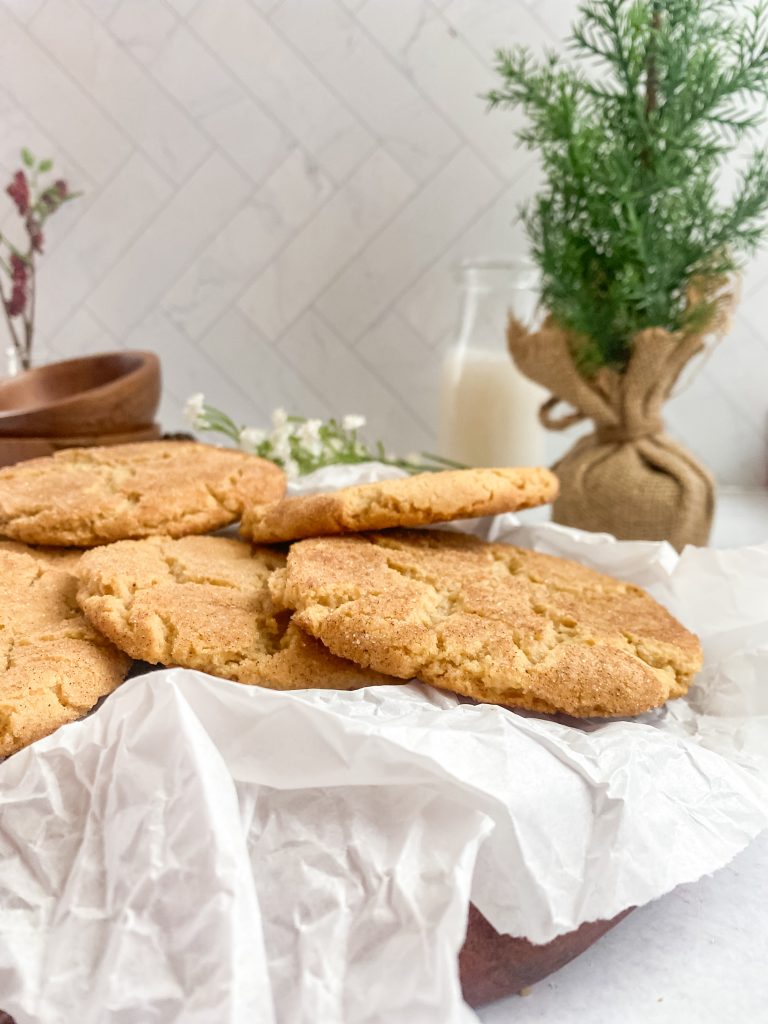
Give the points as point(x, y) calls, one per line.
point(193, 410)
point(279, 418)
point(291, 469)
point(250, 438)
point(310, 429)
point(281, 444)
point(353, 422)
point(308, 435)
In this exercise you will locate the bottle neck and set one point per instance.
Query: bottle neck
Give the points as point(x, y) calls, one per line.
point(492, 291)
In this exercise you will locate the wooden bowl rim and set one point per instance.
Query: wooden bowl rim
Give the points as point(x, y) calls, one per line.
point(142, 360)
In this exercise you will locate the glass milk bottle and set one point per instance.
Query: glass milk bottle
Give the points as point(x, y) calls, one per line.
point(488, 409)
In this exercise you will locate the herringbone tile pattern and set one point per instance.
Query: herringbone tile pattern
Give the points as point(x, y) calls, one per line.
point(276, 192)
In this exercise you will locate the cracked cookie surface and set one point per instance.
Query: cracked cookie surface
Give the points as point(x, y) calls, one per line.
point(82, 497)
point(413, 501)
point(494, 622)
point(204, 603)
point(54, 666)
point(59, 558)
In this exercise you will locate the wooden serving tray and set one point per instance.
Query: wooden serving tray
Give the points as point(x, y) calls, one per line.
point(492, 966)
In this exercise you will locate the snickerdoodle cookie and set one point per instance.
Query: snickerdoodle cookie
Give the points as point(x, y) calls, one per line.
point(88, 496)
point(59, 558)
point(412, 501)
point(491, 621)
point(54, 666)
point(204, 603)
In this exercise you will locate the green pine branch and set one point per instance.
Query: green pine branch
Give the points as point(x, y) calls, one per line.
point(633, 134)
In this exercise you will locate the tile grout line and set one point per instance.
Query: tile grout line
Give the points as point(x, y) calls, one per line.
point(428, 99)
point(379, 140)
point(140, 231)
point(290, 368)
point(371, 238)
point(336, 190)
point(131, 142)
point(386, 385)
point(399, 294)
point(442, 253)
point(312, 157)
point(149, 72)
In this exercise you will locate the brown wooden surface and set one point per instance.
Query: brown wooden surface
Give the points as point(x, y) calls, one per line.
point(492, 966)
point(109, 393)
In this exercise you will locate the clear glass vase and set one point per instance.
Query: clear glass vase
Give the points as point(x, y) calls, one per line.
point(488, 409)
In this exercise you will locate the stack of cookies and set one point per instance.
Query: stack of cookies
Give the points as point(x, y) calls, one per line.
point(336, 590)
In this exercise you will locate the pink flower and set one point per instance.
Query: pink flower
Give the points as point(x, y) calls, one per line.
point(19, 269)
point(18, 190)
point(17, 303)
point(62, 188)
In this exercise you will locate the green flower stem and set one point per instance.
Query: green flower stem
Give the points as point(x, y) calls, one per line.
point(313, 445)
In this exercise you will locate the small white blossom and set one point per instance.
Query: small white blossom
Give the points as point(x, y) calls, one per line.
point(291, 469)
point(193, 410)
point(295, 443)
point(279, 418)
point(281, 444)
point(250, 438)
point(310, 429)
point(308, 435)
point(353, 422)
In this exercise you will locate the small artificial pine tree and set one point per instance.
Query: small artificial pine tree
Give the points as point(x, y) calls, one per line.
point(629, 224)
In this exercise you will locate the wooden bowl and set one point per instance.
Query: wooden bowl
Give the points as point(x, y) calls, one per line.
point(109, 393)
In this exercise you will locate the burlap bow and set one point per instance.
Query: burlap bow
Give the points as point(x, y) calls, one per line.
point(627, 477)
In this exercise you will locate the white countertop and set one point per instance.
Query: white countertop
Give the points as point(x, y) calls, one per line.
point(696, 956)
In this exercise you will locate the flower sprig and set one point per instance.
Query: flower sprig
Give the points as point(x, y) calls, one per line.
point(35, 202)
point(300, 445)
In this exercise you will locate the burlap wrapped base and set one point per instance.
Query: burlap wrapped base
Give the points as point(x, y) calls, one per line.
point(648, 489)
point(627, 478)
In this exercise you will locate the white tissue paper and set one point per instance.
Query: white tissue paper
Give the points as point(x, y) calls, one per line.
point(204, 852)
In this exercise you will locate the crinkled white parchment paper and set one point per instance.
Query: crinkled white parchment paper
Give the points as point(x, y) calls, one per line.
point(203, 852)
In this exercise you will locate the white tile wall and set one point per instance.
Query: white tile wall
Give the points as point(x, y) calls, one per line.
point(277, 192)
